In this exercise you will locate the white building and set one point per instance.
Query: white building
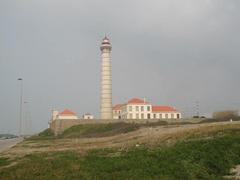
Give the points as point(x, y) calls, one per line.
point(117, 111)
point(136, 109)
point(140, 109)
point(88, 116)
point(66, 114)
point(54, 115)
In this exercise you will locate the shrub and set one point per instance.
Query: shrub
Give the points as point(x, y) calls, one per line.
point(46, 132)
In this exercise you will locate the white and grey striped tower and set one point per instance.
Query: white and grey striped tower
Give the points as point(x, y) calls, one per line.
point(106, 83)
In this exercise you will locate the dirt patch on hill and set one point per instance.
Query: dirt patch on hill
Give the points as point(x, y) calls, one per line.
point(235, 173)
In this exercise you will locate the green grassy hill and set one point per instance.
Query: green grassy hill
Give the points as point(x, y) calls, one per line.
point(196, 157)
point(110, 129)
point(98, 130)
point(88, 131)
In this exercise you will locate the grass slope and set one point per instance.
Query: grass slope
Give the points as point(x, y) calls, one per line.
point(4, 161)
point(88, 130)
point(95, 130)
point(104, 130)
point(195, 158)
point(98, 130)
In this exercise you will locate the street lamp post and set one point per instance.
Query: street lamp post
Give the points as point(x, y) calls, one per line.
point(20, 110)
point(27, 119)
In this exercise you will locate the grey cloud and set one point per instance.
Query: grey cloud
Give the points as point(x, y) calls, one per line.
point(170, 51)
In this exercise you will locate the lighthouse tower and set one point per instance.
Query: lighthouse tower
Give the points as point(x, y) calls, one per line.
point(106, 82)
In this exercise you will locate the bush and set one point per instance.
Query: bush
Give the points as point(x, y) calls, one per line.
point(46, 133)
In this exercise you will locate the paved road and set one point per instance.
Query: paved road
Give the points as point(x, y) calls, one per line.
point(8, 143)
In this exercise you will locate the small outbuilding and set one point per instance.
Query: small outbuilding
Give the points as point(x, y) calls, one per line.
point(88, 116)
point(66, 114)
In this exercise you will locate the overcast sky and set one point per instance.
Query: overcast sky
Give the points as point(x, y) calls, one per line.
point(171, 52)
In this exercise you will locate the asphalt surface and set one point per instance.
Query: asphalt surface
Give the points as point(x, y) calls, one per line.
point(6, 144)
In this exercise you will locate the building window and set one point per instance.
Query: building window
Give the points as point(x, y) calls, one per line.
point(142, 116)
point(172, 116)
point(149, 116)
point(137, 116)
point(148, 108)
point(130, 108)
point(166, 116)
point(178, 116)
point(137, 108)
point(130, 116)
point(160, 116)
point(142, 108)
point(154, 116)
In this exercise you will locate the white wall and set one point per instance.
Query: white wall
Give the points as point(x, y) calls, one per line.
point(54, 115)
point(116, 114)
point(136, 111)
point(166, 115)
point(88, 116)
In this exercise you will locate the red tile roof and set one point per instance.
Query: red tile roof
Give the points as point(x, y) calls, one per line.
point(136, 101)
point(67, 112)
point(117, 107)
point(163, 109)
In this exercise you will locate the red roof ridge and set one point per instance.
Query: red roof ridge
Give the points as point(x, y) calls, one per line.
point(136, 101)
point(157, 108)
point(117, 106)
point(67, 112)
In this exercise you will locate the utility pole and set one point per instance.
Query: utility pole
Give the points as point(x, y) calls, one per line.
point(20, 110)
point(27, 119)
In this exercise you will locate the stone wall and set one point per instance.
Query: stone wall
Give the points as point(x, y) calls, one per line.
point(59, 125)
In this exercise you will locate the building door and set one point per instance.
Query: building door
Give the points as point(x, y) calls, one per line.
point(149, 116)
point(178, 116)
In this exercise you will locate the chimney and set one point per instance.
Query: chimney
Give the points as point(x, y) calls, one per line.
point(144, 100)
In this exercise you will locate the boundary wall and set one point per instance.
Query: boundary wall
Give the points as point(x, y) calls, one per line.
point(59, 125)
